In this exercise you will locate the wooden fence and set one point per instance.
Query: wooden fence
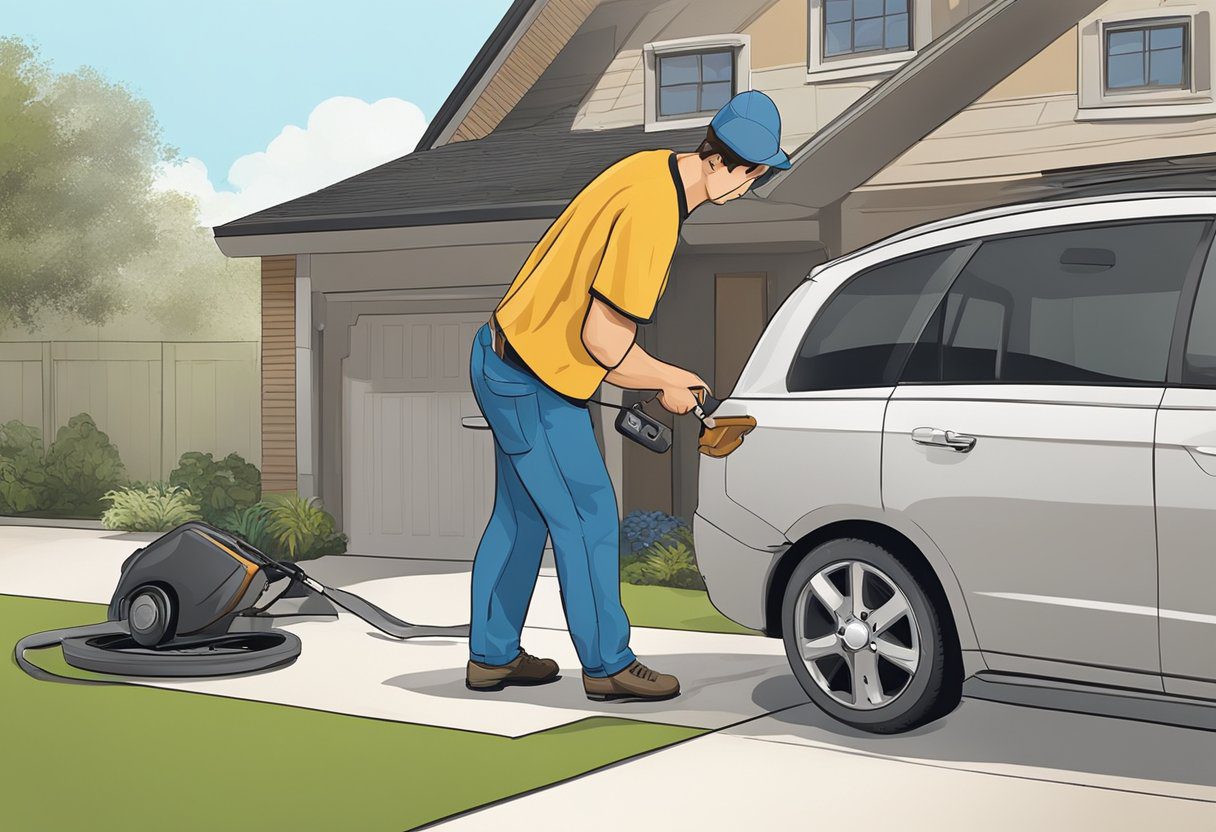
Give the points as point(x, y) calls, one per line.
point(155, 400)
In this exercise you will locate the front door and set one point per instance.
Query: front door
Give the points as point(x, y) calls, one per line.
point(1020, 439)
point(1186, 506)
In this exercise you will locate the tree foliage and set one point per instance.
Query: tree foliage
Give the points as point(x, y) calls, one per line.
point(83, 234)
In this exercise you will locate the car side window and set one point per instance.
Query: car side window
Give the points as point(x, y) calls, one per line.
point(1199, 360)
point(862, 335)
point(1092, 305)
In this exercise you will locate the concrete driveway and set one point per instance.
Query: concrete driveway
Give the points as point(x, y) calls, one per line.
point(771, 761)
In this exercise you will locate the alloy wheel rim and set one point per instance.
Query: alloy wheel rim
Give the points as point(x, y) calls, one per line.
point(857, 635)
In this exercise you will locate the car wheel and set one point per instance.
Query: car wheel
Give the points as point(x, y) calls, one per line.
point(865, 639)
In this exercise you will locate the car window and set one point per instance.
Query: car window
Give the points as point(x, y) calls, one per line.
point(1089, 305)
point(1199, 361)
point(861, 337)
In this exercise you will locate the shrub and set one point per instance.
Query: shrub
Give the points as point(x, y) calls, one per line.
point(643, 529)
point(23, 481)
point(252, 524)
point(672, 564)
point(302, 528)
point(231, 484)
point(81, 466)
point(157, 507)
point(668, 560)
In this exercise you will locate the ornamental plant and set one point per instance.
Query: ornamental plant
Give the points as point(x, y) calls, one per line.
point(219, 487)
point(81, 465)
point(157, 507)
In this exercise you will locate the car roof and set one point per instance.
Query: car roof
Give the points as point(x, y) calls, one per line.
point(1012, 209)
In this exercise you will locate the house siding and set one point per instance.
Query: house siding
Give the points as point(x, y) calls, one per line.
point(549, 32)
point(279, 374)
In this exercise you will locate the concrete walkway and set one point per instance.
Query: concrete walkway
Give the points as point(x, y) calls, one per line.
point(348, 667)
point(987, 766)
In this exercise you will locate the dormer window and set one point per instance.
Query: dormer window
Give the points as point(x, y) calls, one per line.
point(1138, 64)
point(1147, 57)
point(860, 38)
point(854, 26)
point(688, 80)
point(695, 82)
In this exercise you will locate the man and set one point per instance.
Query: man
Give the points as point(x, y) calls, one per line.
point(567, 323)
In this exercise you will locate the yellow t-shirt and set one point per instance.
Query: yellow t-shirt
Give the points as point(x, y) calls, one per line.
point(615, 240)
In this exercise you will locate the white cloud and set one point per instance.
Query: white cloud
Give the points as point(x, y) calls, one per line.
point(344, 136)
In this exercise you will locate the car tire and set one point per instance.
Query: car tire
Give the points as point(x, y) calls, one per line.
point(891, 697)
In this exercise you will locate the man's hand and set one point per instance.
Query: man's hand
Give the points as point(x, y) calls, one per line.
point(677, 394)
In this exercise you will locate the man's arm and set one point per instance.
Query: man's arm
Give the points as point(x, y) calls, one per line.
point(609, 337)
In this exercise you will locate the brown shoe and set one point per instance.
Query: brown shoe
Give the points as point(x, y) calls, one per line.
point(636, 682)
point(525, 670)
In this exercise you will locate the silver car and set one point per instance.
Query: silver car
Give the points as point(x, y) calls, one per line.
point(986, 445)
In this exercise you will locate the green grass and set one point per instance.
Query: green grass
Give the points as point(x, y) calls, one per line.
point(676, 609)
point(136, 758)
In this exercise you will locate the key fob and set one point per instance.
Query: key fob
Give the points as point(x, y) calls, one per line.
point(640, 427)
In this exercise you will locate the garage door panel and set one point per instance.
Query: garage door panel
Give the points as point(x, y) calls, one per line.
point(418, 484)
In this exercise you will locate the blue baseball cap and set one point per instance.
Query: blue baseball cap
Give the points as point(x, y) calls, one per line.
point(750, 125)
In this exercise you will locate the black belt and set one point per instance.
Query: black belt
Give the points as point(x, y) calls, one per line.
point(507, 353)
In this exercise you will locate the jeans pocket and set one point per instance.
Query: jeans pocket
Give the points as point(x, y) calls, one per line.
point(513, 416)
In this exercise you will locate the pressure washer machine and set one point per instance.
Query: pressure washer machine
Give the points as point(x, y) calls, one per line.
point(192, 604)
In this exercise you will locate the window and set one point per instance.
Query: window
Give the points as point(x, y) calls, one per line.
point(686, 81)
point(700, 82)
point(1082, 306)
point(851, 26)
point(1132, 65)
point(1199, 361)
point(860, 38)
point(861, 337)
point(1147, 57)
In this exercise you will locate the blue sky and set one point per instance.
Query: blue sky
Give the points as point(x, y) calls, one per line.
point(225, 77)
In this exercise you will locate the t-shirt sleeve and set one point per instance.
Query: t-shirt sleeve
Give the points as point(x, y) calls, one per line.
point(633, 271)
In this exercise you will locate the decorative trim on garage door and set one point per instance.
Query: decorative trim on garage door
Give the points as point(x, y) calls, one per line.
point(279, 374)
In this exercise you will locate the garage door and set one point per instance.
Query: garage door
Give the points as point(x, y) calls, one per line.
point(417, 484)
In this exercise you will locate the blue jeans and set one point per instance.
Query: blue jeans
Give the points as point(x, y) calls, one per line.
point(550, 482)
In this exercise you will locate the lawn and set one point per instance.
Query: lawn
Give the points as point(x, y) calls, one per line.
point(136, 758)
point(676, 609)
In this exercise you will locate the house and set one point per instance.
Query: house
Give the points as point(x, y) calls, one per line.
point(895, 112)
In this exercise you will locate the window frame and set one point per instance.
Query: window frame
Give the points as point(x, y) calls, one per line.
point(1186, 310)
point(699, 83)
point(739, 45)
point(1095, 102)
point(822, 67)
point(1182, 313)
point(1148, 27)
point(965, 249)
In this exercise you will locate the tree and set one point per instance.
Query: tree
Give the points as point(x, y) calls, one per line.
point(77, 157)
point(185, 283)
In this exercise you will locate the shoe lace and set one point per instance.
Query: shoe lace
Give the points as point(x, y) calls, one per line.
point(528, 658)
point(643, 672)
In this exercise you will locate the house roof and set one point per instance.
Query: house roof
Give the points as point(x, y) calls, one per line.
point(530, 170)
point(509, 175)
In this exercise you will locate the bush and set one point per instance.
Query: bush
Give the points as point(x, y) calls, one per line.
point(252, 525)
point(302, 529)
point(668, 561)
point(643, 529)
point(23, 481)
point(229, 485)
point(157, 507)
point(81, 466)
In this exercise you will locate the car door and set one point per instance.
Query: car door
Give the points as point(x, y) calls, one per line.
point(1186, 501)
point(1020, 438)
point(817, 443)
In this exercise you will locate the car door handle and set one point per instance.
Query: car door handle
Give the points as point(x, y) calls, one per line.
point(943, 438)
point(1202, 449)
